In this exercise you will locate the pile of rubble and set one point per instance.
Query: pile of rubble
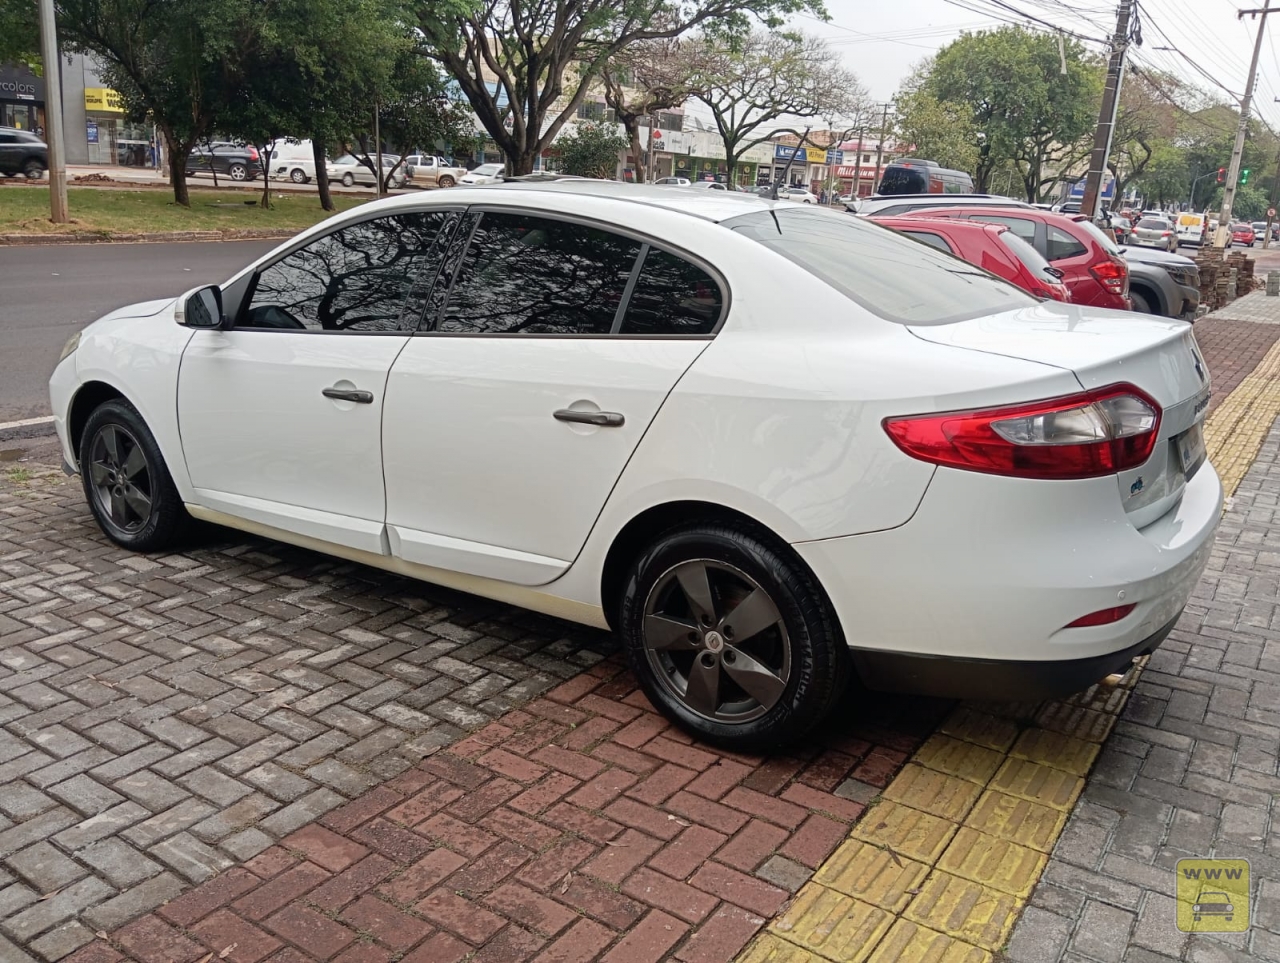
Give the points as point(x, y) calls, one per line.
point(1224, 276)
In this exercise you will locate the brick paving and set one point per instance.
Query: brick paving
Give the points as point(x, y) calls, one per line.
point(1233, 347)
point(252, 744)
point(1190, 770)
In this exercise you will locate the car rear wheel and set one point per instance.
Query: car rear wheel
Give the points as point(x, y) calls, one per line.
point(128, 487)
point(730, 638)
point(237, 172)
point(446, 181)
point(348, 180)
point(298, 175)
point(1139, 303)
point(33, 169)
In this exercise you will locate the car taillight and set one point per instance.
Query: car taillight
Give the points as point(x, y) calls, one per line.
point(253, 153)
point(1087, 435)
point(1103, 616)
point(1112, 275)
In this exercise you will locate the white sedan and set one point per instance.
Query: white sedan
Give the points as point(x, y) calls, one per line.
point(484, 174)
point(798, 194)
point(770, 446)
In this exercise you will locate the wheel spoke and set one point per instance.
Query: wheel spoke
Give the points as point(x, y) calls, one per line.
point(135, 463)
point(119, 509)
point(697, 589)
point(751, 616)
point(98, 473)
point(111, 442)
point(139, 502)
point(756, 679)
point(703, 692)
point(661, 632)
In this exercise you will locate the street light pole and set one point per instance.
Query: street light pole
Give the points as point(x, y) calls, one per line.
point(1233, 171)
point(1191, 204)
point(53, 114)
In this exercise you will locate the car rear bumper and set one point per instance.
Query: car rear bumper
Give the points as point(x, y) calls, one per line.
point(978, 588)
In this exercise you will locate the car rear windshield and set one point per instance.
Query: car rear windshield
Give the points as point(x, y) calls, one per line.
point(1027, 254)
point(890, 275)
point(1153, 224)
point(1098, 236)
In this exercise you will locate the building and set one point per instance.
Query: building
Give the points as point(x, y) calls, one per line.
point(21, 98)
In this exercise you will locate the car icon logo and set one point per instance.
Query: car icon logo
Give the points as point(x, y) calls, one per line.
point(1213, 904)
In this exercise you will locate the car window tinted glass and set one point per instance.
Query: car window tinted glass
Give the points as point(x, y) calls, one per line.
point(933, 240)
point(903, 180)
point(1153, 224)
point(672, 296)
point(1099, 236)
point(1060, 244)
point(354, 279)
point(1025, 253)
point(1021, 226)
point(535, 275)
point(892, 276)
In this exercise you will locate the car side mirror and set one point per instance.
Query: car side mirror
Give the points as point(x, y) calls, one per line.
point(200, 308)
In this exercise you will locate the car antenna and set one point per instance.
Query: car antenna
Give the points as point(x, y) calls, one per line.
point(773, 196)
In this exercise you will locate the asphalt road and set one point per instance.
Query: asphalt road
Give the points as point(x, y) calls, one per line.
point(50, 293)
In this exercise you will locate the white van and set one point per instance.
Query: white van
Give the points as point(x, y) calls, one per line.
point(1191, 228)
point(292, 162)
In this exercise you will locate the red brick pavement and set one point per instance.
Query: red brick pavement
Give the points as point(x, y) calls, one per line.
point(581, 827)
point(1232, 349)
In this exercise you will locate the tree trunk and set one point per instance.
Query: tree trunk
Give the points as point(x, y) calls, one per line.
point(178, 154)
point(322, 175)
point(265, 163)
point(522, 163)
point(632, 125)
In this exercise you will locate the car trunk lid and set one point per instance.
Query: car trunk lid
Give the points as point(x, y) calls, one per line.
point(1104, 348)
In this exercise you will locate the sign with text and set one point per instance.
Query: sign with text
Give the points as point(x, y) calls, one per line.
point(102, 99)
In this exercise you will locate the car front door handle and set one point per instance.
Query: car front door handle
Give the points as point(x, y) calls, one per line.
point(349, 394)
point(604, 419)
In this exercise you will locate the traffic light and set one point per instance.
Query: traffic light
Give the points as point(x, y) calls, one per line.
point(1222, 174)
point(1244, 176)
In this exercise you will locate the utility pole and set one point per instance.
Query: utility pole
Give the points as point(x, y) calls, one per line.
point(857, 169)
point(1233, 170)
point(884, 131)
point(53, 114)
point(648, 157)
point(1107, 114)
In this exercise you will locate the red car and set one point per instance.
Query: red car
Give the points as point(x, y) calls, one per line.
point(992, 247)
point(1242, 234)
point(1092, 267)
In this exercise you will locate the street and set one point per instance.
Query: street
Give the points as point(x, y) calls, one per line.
point(51, 292)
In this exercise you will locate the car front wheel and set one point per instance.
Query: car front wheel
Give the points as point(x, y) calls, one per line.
point(33, 169)
point(446, 181)
point(348, 180)
point(237, 172)
point(730, 638)
point(126, 483)
point(298, 175)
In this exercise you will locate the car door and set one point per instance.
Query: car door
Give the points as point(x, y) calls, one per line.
point(10, 151)
point(509, 421)
point(281, 415)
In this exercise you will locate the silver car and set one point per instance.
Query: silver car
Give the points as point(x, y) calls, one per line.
point(1155, 232)
point(350, 170)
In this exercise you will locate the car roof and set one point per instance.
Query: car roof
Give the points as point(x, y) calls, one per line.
point(1025, 210)
point(942, 223)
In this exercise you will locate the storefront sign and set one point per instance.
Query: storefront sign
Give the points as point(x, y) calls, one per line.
point(834, 157)
point(91, 131)
point(668, 141)
point(784, 152)
point(102, 99)
point(18, 83)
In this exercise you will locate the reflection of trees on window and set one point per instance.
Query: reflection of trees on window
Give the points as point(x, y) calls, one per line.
point(672, 296)
point(535, 275)
point(354, 279)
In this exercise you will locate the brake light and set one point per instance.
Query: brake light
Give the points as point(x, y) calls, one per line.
point(1103, 616)
point(1087, 435)
point(253, 153)
point(1112, 275)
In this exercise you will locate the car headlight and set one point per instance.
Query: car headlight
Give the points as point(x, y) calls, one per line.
point(69, 348)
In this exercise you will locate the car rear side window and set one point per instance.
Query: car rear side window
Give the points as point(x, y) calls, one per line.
point(672, 296)
point(1027, 254)
point(892, 276)
point(359, 278)
point(524, 274)
point(933, 240)
point(1060, 245)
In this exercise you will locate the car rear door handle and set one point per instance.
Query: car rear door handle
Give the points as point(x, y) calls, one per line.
point(604, 419)
point(349, 394)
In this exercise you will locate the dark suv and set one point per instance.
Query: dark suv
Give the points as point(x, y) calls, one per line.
point(22, 152)
point(235, 161)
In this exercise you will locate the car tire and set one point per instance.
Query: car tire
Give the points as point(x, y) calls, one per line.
point(33, 170)
point(238, 172)
point(446, 181)
point(1139, 303)
point(298, 176)
point(128, 487)
point(348, 180)
point(794, 658)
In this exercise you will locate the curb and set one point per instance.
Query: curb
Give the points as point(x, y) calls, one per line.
point(158, 237)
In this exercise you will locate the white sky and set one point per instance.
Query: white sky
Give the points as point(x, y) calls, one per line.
point(882, 40)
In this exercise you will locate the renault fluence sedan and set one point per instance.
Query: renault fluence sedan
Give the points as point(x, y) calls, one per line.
point(771, 446)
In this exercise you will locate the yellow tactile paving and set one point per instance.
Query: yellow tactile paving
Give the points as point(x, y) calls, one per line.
point(956, 757)
point(878, 875)
point(832, 925)
point(1057, 750)
point(910, 941)
point(983, 801)
point(908, 832)
point(1023, 822)
point(934, 792)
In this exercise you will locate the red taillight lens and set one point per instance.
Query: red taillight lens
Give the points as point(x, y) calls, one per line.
point(1087, 435)
point(1112, 275)
point(253, 153)
point(1103, 616)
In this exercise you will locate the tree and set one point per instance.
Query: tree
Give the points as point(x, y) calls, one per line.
point(647, 77)
point(750, 86)
point(526, 65)
point(591, 150)
point(1032, 95)
point(20, 38)
point(1147, 120)
point(942, 131)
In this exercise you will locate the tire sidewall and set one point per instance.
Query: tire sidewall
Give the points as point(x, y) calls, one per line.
point(1140, 305)
point(348, 180)
point(243, 172)
point(804, 700)
point(159, 526)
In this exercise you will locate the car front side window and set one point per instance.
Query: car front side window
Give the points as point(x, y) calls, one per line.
point(359, 278)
